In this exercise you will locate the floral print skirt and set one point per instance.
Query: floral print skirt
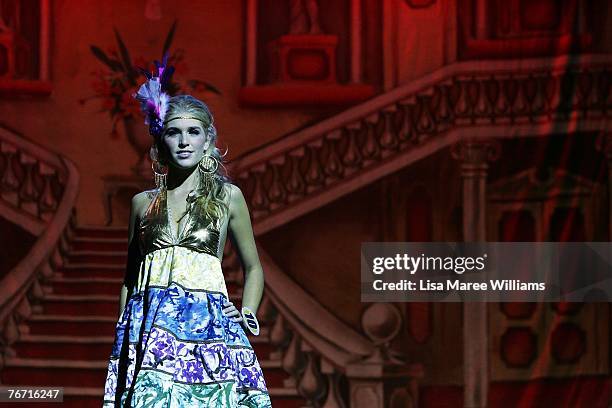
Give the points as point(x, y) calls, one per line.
point(174, 347)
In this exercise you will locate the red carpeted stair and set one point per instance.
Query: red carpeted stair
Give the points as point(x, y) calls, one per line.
point(68, 339)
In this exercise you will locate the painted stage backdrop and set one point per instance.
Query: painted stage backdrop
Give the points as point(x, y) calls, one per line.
point(345, 121)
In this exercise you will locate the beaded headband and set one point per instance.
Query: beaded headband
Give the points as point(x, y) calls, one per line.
point(181, 117)
point(210, 128)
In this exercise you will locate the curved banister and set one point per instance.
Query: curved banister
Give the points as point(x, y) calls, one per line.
point(23, 278)
point(375, 104)
point(23, 272)
point(318, 164)
point(314, 323)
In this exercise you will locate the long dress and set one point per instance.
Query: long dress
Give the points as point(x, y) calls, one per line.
point(174, 346)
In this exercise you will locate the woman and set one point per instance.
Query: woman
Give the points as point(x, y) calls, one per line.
point(180, 341)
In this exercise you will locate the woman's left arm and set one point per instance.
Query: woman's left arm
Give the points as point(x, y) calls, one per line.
point(241, 234)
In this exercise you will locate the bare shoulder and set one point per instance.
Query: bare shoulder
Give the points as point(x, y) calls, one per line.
point(236, 198)
point(141, 201)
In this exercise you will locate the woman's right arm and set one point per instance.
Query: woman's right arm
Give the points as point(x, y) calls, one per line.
point(132, 252)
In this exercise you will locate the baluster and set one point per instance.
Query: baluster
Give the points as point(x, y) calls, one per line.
point(333, 165)
point(28, 194)
point(481, 106)
point(311, 385)
point(510, 89)
point(333, 399)
point(9, 183)
point(501, 101)
point(56, 257)
point(259, 200)
point(293, 360)
point(370, 148)
point(472, 91)
point(296, 184)
point(520, 106)
point(313, 176)
point(47, 203)
point(36, 291)
point(388, 139)
point(10, 334)
point(64, 243)
point(23, 310)
point(539, 104)
point(278, 336)
point(461, 100)
point(425, 123)
point(407, 130)
point(442, 108)
point(46, 269)
point(277, 191)
point(352, 157)
point(530, 91)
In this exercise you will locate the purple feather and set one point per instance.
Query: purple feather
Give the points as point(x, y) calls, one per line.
point(153, 100)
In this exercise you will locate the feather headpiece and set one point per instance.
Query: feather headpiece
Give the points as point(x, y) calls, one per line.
point(153, 97)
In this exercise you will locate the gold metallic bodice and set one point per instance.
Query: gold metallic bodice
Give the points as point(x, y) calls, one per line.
point(198, 232)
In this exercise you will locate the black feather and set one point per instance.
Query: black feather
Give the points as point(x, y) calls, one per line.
point(125, 57)
point(169, 37)
point(111, 63)
point(144, 72)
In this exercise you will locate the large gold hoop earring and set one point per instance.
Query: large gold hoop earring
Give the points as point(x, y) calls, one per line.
point(207, 167)
point(160, 172)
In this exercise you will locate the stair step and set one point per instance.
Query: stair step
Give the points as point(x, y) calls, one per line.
point(90, 305)
point(99, 244)
point(89, 269)
point(33, 338)
point(97, 231)
point(64, 347)
point(85, 285)
point(48, 324)
point(103, 257)
point(53, 372)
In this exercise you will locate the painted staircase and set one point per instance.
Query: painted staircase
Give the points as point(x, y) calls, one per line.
point(67, 340)
point(283, 180)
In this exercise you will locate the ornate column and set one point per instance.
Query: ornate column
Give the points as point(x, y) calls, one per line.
point(481, 19)
point(251, 42)
point(382, 379)
point(356, 41)
point(389, 44)
point(45, 13)
point(474, 155)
